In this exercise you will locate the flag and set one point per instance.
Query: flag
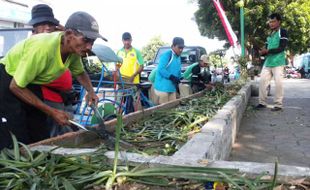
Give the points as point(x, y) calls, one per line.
point(232, 38)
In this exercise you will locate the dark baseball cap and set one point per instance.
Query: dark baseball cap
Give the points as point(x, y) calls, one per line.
point(42, 13)
point(84, 23)
point(178, 41)
point(126, 36)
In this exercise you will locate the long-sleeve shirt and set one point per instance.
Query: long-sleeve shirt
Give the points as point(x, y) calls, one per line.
point(169, 64)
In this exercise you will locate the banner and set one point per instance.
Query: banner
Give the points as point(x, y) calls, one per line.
point(232, 38)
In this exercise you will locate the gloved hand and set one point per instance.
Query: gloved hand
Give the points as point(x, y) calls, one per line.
point(174, 79)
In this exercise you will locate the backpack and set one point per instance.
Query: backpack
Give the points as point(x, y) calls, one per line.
point(152, 75)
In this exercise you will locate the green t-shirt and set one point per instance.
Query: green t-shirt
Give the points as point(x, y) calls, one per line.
point(273, 42)
point(37, 60)
point(188, 72)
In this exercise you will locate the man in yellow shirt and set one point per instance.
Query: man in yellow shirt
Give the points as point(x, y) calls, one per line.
point(133, 62)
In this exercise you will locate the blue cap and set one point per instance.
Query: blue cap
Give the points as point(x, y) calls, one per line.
point(126, 36)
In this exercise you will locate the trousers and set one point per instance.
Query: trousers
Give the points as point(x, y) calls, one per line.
point(266, 75)
point(24, 121)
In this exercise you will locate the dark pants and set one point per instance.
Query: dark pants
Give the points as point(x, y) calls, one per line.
point(26, 122)
point(197, 87)
point(54, 128)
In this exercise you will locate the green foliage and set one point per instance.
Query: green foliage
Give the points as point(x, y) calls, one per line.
point(217, 60)
point(148, 51)
point(242, 61)
point(296, 19)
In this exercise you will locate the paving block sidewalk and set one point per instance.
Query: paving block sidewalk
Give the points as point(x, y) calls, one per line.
point(266, 136)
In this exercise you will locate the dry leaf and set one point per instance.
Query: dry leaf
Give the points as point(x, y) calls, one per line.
point(203, 161)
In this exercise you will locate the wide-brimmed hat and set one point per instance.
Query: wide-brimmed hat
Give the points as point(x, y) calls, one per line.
point(84, 23)
point(42, 13)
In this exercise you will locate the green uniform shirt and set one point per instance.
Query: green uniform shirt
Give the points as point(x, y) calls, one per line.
point(37, 60)
point(278, 59)
point(188, 72)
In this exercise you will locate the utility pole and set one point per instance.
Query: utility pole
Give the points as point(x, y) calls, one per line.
point(242, 27)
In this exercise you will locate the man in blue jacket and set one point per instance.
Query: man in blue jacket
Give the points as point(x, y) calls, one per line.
point(169, 72)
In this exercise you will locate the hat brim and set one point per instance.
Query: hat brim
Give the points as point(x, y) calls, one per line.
point(93, 35)
point(43, 19)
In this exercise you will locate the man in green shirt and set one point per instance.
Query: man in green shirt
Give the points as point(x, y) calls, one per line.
point(198, 74)
point(39, 60)
point(274, 62)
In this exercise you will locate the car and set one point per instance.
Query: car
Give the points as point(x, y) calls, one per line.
point(190, 55)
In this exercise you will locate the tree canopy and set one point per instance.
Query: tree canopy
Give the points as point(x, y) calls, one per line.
point(295, 13)
point(148, 51)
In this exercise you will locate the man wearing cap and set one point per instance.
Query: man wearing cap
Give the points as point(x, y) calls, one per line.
point(133, 62)
point(43, 21)
point(168, 72)
point(201, 75)
point(39, 60)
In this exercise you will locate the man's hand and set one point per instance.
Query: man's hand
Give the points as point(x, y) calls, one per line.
point(263, 51)
point(132, 78)
point(61, 117)
point(209, 86)
point(92, 98)
point(174, 79)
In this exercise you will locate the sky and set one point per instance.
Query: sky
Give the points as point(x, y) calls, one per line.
point(144, 19)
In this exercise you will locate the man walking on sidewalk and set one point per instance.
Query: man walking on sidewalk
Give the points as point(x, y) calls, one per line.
point(274, 62)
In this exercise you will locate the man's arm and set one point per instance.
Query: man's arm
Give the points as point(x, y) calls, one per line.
point(84, 80)
point(196, 74)
point(28, 97)
point(140, 62)
point(282, 45)
point(137, 72)
point(196, 70)
point(162, 65)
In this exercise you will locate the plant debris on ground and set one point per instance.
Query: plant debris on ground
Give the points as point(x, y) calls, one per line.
point(165, 131)
point(20, 169)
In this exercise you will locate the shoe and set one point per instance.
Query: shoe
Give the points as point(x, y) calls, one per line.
point(276, 109)
point(260, 106)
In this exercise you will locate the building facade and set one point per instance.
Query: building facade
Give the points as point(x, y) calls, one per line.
point(17, 13)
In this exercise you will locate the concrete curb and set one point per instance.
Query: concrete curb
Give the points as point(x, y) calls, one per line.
point(217, 136)
point(251, 169)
